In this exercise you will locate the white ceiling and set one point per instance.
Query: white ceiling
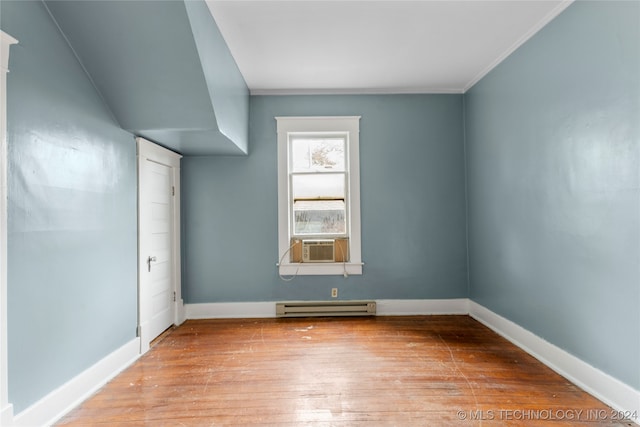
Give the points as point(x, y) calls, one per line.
point(337, 46)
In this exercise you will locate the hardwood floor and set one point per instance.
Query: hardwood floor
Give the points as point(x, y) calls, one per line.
point(379, 371)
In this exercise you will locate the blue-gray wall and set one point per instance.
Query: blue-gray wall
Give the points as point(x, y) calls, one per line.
point(164, 70)
point(71, 214)
point(227, 89)
point(553, 154)
point(412, 202)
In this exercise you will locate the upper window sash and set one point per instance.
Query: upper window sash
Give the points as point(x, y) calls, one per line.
point(305, 157)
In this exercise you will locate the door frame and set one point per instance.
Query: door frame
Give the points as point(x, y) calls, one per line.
point(6, 409)
point(148, 151)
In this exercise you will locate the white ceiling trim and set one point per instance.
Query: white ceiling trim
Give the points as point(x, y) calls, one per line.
point(544, 21)
point(373, 91)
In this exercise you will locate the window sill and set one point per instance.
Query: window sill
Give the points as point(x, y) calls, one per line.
point(320, 269)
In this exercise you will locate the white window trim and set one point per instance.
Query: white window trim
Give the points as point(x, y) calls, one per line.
point(286, 125)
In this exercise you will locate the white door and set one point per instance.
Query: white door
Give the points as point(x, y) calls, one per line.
point(158, 257)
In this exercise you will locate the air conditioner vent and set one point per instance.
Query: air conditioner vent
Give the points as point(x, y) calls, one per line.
point(318, 251)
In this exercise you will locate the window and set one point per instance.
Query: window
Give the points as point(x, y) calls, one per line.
point(319, 195)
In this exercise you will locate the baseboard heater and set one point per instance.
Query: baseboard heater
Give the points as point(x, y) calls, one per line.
point(325, 308)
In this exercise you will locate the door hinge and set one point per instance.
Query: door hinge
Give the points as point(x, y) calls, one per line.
point(174, 296)
point(173, 190)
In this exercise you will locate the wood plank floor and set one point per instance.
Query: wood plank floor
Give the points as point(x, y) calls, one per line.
point(378, 371)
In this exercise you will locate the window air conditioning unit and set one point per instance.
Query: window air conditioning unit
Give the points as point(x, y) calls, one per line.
point(319, 250)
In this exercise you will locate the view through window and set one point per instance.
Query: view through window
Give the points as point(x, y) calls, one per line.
point(319, 186)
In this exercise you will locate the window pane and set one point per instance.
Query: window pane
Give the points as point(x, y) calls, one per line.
point(318, 186)
point(317, 154)
point(319, 217)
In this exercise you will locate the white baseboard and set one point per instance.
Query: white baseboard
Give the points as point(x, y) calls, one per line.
point(611, 391)
point(143, 337)
point(56, 404)
point(6, 415)
point(181, 314)
point(230, 310)
point(416, 307)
